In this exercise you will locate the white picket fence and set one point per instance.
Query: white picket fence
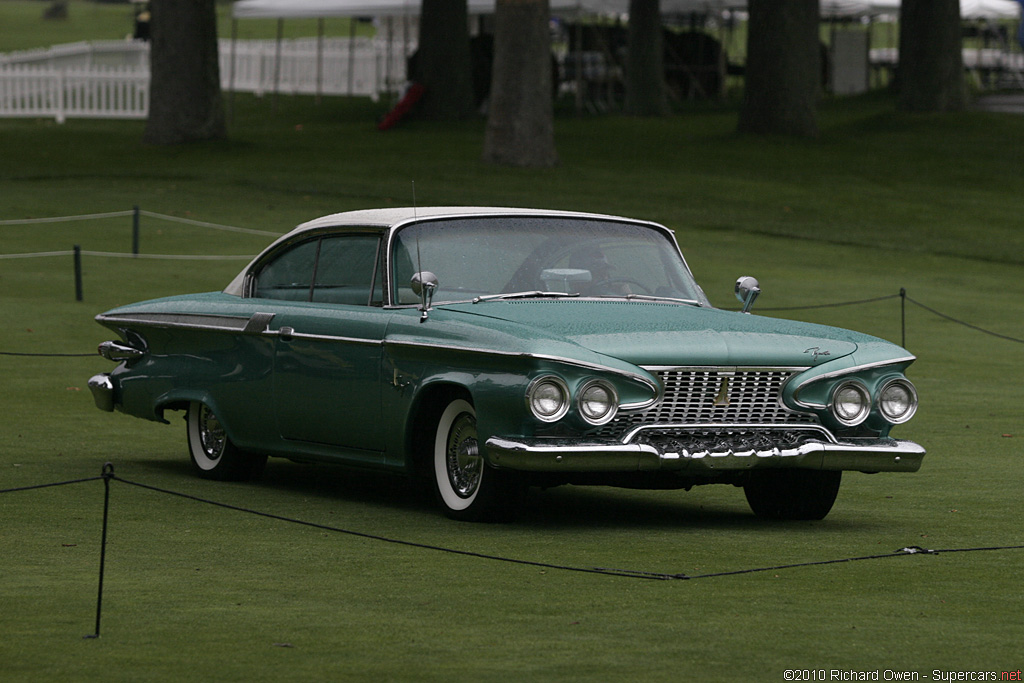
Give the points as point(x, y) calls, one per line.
point(110, 79)
point(100, 92)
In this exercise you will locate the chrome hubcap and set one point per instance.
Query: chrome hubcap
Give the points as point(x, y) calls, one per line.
point(462, 455)
point(211, 434)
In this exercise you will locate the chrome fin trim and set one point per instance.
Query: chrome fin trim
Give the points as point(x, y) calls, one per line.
point(116, 351)
point(257, 323)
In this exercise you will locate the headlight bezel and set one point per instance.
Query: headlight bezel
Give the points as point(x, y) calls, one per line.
point(912, 400)
point(865, 403)
point(612, 401)
point(565, 400)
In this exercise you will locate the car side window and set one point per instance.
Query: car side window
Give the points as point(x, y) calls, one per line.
point(334, 269)
point(290, 275)
point(347, 271)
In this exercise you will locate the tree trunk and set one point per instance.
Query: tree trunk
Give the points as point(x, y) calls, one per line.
point(184, 92)
point(443, 66)
point(520, 121)
point(645, 60)
point(930, 75)
point(783, 68)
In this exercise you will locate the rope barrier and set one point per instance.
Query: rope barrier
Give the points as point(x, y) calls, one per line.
point(47, 355)
point(411, 544)
point(965, 324)
point(38, 254)
point(150, 214)
point(48, 486)
point(173, 257)
point(214, 226)
point(62, 219)
point(902, 295)
point(835, 305)
point(136, 212)
point(108, 475)
point(111, 254)
point(623, 573)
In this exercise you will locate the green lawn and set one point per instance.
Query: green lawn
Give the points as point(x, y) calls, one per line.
point(882, 201)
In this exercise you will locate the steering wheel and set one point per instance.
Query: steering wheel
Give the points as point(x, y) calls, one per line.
point(597, 286)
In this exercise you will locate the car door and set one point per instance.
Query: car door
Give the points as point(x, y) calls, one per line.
point(330, 325)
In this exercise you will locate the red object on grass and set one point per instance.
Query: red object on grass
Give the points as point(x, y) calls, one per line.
point(409, 99)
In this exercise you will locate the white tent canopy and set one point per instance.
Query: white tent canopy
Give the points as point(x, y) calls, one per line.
point(286, 9)
point(989, 9)
point(315, 9)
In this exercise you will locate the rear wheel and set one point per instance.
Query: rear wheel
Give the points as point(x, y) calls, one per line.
point(212, 453)
point(792, 494)
point(465, 485)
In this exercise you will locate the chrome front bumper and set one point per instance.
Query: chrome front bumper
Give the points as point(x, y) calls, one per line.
point(567, 455)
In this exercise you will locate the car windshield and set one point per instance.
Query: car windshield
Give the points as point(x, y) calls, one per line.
point(518, 257)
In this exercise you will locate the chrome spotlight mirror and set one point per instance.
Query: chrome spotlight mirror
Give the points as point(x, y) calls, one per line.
point(747, 290)
point(423, 285)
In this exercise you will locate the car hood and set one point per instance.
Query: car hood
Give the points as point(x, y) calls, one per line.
point(652, 334)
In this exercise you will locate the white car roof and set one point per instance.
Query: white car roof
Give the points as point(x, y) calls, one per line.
point(389, 218)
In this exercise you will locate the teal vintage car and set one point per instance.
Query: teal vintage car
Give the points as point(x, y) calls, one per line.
point(486, 350)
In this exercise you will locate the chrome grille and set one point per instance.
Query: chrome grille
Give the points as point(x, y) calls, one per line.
point(716, 396)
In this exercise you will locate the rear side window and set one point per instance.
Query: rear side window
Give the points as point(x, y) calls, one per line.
point(290, 275)
point(334, 269)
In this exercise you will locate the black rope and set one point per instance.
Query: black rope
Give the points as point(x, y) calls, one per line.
point(108, 476)
point(625, 573)
point(912, 550)
point(412, 544)
point(46, 486)
point(965, 324)
point(835, 305)
point(858, 302)
point(48, 355)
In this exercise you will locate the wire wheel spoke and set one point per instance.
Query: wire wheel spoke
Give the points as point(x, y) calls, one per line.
point(211, 433)
point(464, 463)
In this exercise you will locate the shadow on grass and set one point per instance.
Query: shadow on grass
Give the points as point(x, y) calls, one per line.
point(597, 507)
point(560, 508)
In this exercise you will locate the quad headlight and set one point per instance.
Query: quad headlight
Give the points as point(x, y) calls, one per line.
point(850, 403)
point(597, 402)
point(897, 401)
point(548, 398)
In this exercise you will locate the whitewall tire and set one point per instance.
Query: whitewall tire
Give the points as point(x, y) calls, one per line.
point(212, 453)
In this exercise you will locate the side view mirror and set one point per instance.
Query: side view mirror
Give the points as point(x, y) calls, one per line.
point(423, 285)
point(747, 290)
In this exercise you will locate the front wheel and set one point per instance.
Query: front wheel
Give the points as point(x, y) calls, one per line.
point(466, 486)
point(792, 494)
point(212, 453)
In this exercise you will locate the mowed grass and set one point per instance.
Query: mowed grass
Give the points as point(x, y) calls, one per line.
point(881, 201)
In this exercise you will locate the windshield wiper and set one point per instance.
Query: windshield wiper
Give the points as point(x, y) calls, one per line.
point(535, 294)
point(647, 297)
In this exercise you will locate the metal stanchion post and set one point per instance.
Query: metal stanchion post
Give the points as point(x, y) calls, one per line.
point(135, 230)
point(108, 474)
point(78, 273)
point(903, 317)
